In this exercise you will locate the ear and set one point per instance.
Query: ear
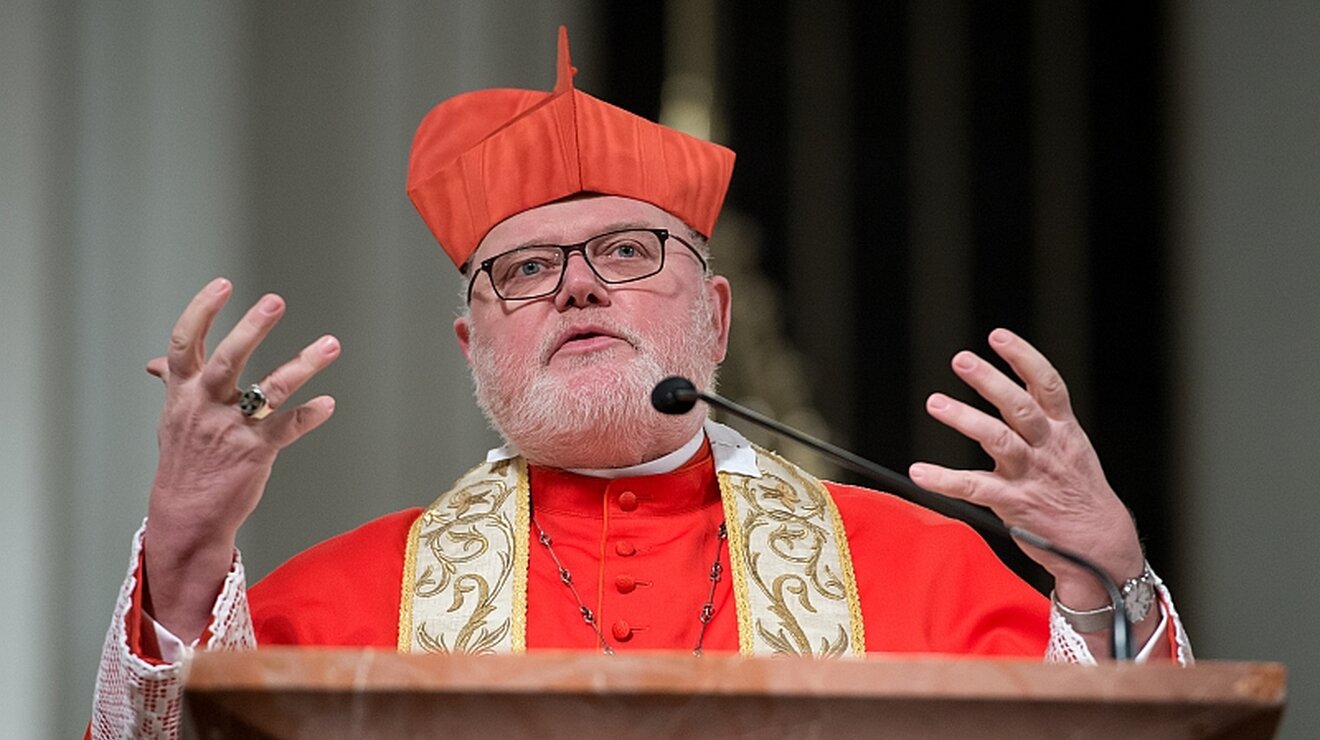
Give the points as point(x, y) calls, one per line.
point(463, 332)
point(721, 309)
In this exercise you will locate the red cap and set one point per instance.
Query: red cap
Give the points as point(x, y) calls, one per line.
point(483, 156)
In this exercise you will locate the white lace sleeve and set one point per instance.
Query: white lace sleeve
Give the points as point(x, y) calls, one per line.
point(139, 700)
point(1067, 646)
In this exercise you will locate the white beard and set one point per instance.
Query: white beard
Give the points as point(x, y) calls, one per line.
point(602, 416)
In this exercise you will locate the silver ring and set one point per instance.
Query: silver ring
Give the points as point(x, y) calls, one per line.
point(253, 403)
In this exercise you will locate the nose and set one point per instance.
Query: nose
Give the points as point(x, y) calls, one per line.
point(581, 287)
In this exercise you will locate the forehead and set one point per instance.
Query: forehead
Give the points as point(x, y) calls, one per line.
point(572, 221)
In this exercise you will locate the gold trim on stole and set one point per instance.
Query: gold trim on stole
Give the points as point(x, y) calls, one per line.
point(858, 632)
point(522, 523)
point(406, 588)
point(738, 566)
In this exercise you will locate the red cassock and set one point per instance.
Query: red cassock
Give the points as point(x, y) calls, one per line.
point(640, 552)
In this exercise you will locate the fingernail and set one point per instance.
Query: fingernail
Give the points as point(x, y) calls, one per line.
point(1000, 336)
point(270, 305)
point(329, 345)
point(938, 401)
point(964, 361)
point(330, 403)
point(218, 286)
point(917, 472)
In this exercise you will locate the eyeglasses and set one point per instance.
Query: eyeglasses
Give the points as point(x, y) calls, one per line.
point(615, 257)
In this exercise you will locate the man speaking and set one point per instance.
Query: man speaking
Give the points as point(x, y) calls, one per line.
point(581, 232)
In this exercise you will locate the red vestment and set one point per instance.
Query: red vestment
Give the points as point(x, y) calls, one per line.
point(640, 550)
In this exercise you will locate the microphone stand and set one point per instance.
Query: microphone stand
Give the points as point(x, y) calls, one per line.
point(678, 396)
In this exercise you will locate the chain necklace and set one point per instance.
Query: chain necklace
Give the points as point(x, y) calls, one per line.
point(707, 609)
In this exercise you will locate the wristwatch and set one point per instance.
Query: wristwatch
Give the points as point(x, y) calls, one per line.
point(1138, 598)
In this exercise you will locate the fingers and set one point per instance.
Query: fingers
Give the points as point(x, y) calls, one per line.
point(974, 486)
point(1002, 443)
point(287, 427)
point(1019, 409)
point(220, 374)
point(1027, 413)
point(187, 350)
point(289, 377)
point(1043, 381)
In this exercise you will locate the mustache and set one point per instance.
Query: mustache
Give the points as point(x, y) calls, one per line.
point(612, 325)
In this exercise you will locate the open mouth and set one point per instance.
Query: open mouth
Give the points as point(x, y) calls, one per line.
point(582, 340)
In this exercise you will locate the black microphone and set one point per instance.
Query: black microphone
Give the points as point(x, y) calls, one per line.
point(674, 396)
point(677, 395)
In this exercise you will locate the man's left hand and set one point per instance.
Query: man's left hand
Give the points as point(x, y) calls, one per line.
point(1047, 478)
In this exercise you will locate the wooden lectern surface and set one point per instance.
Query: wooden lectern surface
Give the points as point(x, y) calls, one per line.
point(334, 693)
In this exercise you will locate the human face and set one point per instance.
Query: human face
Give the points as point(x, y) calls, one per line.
point(567, 378)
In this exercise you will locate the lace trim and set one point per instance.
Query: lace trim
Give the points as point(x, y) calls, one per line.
point(137, 699)
point(1067, 646)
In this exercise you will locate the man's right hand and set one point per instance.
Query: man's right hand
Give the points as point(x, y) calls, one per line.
point(214, 461)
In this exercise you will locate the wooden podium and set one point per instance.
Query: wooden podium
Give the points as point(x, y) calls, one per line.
point(348, 693)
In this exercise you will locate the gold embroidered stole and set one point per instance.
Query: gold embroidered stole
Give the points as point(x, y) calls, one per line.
point(465, 573)
point(465, 569)
point(793, 575)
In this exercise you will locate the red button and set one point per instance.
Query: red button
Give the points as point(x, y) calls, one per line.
point(628, 501)
point(624, 548)
point(621, 631)
point(625, 584)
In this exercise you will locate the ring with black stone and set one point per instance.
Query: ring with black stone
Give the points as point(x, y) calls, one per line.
point(253, 403)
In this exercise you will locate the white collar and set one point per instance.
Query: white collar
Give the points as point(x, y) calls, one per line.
point(732, 453)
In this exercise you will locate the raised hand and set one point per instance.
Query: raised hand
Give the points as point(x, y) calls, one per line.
point(1047, 477)
point(214, 461)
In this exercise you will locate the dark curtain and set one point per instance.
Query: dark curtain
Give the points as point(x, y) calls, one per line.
point(993, 164)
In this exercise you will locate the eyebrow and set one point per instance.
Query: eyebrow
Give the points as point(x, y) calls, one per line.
point(616, 226)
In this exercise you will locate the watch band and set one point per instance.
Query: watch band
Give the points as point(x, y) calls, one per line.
point(1138, 598)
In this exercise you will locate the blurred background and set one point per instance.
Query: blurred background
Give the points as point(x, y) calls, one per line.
point(1133, 186)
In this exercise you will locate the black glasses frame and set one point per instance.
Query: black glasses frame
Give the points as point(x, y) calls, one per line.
point(581, 247)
